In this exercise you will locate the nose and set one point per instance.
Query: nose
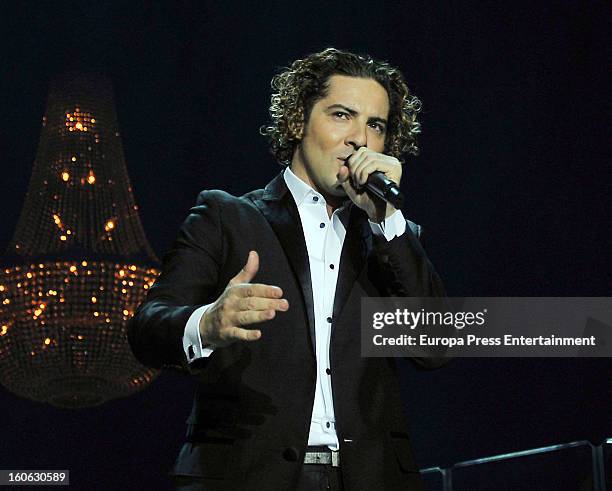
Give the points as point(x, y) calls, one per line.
point(357, 137)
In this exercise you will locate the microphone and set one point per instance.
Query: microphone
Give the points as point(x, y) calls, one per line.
point(384, 188)
point(381, 186)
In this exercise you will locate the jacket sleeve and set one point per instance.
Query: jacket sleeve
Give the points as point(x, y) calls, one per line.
point(404, 270)
point(189, 279)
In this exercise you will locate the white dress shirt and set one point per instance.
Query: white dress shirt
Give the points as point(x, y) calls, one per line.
point(324, 238)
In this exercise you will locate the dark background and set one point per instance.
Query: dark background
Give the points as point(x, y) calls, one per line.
point(513, 186)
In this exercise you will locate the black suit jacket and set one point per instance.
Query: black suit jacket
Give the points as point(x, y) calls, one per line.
point(249, 425)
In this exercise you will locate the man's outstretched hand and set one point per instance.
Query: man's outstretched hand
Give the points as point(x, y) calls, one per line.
point(241, 304)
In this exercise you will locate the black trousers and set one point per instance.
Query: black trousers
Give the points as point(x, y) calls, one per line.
point(318, 477)
point(314, 477)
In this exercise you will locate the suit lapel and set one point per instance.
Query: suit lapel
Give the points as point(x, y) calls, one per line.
point(352, 259)
point(279, 209)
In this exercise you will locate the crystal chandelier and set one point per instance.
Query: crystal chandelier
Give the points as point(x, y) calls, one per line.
point(79, 262)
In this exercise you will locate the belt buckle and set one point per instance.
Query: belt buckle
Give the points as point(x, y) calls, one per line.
point(335, 458)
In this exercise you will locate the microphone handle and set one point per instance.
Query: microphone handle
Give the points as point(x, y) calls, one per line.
point(384, 188)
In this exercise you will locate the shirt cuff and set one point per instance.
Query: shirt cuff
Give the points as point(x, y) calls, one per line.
point(192, 342)
point(391, 227)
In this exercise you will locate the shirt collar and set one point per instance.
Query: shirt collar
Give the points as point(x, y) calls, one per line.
point(304, 193)
point(299, 189)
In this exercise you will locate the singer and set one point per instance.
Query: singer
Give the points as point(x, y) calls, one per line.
point(260, 295)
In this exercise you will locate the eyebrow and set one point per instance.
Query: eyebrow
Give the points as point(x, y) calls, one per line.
point(352, 112)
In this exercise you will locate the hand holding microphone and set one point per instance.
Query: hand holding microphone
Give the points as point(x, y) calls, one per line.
point(377, 173)
point(383, 187)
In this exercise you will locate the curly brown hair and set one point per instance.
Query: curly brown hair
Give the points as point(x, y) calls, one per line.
point(297, 88)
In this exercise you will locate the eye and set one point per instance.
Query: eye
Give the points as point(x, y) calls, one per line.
point(340, 114)
point(380, 129)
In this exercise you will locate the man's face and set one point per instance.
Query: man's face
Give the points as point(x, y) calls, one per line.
point(353, 114)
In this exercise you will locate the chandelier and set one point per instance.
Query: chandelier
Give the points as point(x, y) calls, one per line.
point(79, 262)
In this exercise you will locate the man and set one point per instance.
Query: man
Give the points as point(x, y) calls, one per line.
point(260, 295)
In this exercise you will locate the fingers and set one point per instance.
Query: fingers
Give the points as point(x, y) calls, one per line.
point(256, 290)
point(344, 178)
point(248, 272)
point(239, 334)
point(236, 333)
point(237, 319)
point(363, 162)
point(343, 173)
point(246, 317)
point(241, 283)
point(259, 303)
point(355, 165)
point(241, 304)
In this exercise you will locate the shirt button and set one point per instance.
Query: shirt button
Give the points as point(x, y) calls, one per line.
point(329, 319)
point(321, 225)
point(327, 424)
point(328, 371)
point(315, 198)
point(331, 266)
